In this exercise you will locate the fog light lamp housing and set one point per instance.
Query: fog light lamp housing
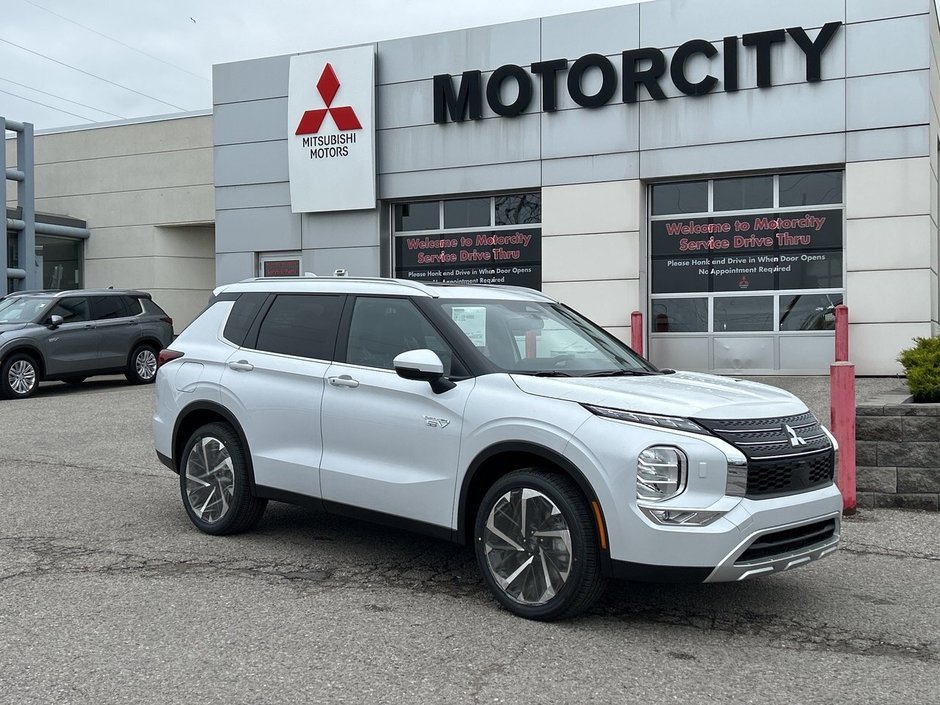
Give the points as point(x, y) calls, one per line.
point(681, 517)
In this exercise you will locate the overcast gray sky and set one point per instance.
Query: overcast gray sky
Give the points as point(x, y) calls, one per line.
point(160, 54)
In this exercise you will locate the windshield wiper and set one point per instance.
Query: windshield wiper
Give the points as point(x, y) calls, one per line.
point(622, 373)
point(543, 373)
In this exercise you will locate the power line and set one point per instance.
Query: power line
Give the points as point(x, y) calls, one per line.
point(46, 105)
point(87, 73)
point(116, 41)
point(67, 100)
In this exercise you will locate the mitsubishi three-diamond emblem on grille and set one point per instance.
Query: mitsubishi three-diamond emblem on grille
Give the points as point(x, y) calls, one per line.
point(795, 440)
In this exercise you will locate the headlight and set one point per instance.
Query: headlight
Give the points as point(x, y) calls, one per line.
point(660, 473)
point(676, 423)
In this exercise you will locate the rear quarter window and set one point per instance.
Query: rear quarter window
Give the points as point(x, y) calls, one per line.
point(242, 316)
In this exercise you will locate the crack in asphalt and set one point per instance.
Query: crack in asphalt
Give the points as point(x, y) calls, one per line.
point(862, 549)
point(453, 573)
point(66, 465)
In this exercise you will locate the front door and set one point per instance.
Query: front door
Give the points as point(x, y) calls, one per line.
point(390, 445)
point(73, 346)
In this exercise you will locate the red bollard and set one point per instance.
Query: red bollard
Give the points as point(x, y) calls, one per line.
point(842, 411)
point(636, 332)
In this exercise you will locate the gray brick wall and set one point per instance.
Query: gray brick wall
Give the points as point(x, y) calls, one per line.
point(898, 453)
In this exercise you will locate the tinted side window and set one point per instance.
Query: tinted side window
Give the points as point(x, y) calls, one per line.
point(381, 329)
point(242, 316)
point(73, 309)
point(104, 307)
point(304, 325)
point(132, 305)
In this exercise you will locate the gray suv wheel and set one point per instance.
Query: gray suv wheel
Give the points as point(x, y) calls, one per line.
point(143, 365)
point(20, 376)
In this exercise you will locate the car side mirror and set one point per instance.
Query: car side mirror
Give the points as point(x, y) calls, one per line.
point(423, 365)
point(55, 321)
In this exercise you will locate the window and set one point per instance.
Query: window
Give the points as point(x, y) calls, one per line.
point(132, 306)
point(774, 241)
point(105, 307)
point(73, 309)
point(481, 240)
point(242, 316)
point(690, 197)
point(383, 328)
point(301, 325)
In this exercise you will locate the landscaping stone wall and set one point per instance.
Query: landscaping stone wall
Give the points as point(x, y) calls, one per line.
point(898, 453)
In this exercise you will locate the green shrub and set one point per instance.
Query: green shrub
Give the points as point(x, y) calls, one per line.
point(922, 365)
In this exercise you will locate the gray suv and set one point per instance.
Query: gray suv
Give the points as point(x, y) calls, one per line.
point(71, 335)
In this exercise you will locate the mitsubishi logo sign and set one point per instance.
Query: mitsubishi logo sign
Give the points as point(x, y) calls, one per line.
point(331, 130)
point(344, 116)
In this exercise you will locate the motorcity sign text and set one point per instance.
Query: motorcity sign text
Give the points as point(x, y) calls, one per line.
point(646, 66)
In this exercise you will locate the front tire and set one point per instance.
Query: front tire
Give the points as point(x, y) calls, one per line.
point(19, 376)
point(215, 483)
point(142, 368)
point(536, 546)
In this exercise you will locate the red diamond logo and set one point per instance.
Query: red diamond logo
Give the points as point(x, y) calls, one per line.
point(344, 116)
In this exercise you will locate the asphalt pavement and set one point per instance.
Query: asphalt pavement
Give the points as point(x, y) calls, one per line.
point(109, 595)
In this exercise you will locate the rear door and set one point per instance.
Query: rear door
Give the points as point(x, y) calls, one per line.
point(117, 330)
point(274, 385)
point(73, 346)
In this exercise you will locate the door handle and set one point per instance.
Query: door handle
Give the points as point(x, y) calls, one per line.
point(242, 365)
point(343, 381)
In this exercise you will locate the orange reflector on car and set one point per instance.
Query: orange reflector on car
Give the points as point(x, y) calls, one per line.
point(601, 531)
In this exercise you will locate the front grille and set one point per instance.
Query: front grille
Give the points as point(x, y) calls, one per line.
point(788, 475)
point(785, 455)
point(780, 543)
point(761, 438)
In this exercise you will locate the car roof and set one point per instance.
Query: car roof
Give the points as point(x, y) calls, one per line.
point(380, 285)
point(78, 292)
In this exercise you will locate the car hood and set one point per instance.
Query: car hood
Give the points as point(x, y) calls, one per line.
point(4, 327)
point(686, 394)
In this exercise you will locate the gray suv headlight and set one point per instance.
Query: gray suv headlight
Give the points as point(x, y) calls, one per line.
point(660, 473)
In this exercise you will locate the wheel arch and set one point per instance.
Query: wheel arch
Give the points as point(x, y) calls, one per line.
point(502, 458)
point(30, 350)
point(149, 341)
point(197, 414)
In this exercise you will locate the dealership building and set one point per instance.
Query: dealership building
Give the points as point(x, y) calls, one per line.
point(732, 170)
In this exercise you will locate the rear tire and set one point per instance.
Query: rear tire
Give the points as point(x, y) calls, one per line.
point(215, 483)
point(142, 368)
point(536, 545)
point(19, 376)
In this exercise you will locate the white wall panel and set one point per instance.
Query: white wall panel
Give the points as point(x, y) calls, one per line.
point(896, 143)
point(608, 30)
point(511, 176)
point(887, 47)
point(591, 208)
point(894, 296)
point(252, 163)
point(889, 100)
point(252, 121)
point(874, 348)
point(586, 257)
point(887, 243)
point(234, 266)
point(607, 303)
point(887, 188)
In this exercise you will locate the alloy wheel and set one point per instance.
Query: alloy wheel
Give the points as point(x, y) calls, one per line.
point(146, 364)
point(22, 377)
point(210, 479)
point(528, 549)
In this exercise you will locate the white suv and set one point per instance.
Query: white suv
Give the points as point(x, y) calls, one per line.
point(490, 415)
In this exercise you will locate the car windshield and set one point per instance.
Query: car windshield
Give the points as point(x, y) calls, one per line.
point(540, 338)
point(22, 309)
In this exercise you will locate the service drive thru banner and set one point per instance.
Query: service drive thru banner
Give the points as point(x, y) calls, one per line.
point(331, 130)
